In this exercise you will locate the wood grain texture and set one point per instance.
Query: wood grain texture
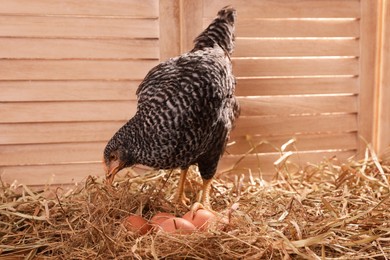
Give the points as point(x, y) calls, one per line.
point(191, 22)
point(75, 69)
point(284, 125)
point(295, 67)
point(383, 137)
point(367, 72)
point(77, 27)
point(304, 142)
point(287, 9)
point(296, 86)
point(19, 112)
point(263, 47)
point(170, 31)
point(58, 132)
point(32, 48)
point(144, 8)
point(37, 154)
point(89, 90)
point(51, 174)
point(296, 105)
point(269, 28)
point(262, 164)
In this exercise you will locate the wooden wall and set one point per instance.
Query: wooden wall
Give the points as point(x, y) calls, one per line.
point(382, 138)
point(69, 71)
point(68, 75)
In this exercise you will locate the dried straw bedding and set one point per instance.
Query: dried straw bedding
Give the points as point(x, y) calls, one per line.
point(333, 210)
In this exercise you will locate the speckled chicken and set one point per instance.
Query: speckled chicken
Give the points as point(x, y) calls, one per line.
point(186, 110)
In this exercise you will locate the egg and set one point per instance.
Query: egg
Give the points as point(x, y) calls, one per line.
point(137, 224)
point(201, 218)
point(177, 225)
point(160, 217)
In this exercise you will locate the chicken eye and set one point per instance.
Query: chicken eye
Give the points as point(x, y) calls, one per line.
point(113, 157)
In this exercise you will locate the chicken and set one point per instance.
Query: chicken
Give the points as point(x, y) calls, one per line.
point(186, 110)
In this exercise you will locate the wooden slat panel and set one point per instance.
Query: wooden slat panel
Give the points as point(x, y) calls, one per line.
point(269, 144)
point(144, 8)
point(290, 105)
point(70, 173)
point(191, 22)
point(36, 133)
point(298, 28)
point(294, 28)
point(246, 47)
point(282, 125)
point(383, 138)
point(287, 9)
point(77, 27)
point(169, 18)
point(11, 153)
point(66, 111)
point(32, 48)
point(74, 69)
point(51, 153)
point(295, 67)
point(265, 161)
point(67, 90)
point(91, 111)
point(51, 174)
point(367, 72)
point(291, 86)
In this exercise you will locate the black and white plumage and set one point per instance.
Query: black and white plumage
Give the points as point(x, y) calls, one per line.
point(186, 110)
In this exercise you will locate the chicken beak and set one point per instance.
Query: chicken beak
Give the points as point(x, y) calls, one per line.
point(111, 174)
point(112, 170)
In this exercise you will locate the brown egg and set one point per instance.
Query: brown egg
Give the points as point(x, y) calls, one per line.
point(177, 225)
point(160, 217)
point(137, 224)
point(201, 218)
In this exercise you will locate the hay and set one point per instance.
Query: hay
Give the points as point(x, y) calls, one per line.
point(329, 210)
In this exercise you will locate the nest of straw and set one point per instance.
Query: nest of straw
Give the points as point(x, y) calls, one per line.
point(330, 210)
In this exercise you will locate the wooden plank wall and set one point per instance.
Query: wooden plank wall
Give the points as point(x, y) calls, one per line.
point(383, 117)
point(69, 71)
point(68, 75)
point(299, 70)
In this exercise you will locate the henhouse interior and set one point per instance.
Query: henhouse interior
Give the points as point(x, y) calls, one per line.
point(195, 129)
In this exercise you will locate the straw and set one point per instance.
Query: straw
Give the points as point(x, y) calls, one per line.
point(332, 210)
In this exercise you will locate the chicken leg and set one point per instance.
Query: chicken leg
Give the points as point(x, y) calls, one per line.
point(180, 195)
point(205, 199)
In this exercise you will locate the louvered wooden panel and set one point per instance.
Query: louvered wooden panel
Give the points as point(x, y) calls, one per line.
point(69, 71)
point(298, 66)
point(382, 121)
point(304, 142)
point(74, 69)
point(262, 164)
point(19, 112)
point(271, 47)
point(77, 27)
point(22, 48)
point(51, 173)
point(287, 9)
point(131, 8)
point(66, 90)
point(297, 85)
point(299, 28)
point(40, 154)
point(57, 132)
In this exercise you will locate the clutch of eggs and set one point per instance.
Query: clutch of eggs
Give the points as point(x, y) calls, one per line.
point(193, 220)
